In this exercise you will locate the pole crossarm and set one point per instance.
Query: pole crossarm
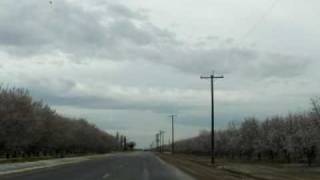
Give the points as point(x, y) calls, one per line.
point(212, 76)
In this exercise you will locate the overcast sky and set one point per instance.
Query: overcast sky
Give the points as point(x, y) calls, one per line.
point(126, 65)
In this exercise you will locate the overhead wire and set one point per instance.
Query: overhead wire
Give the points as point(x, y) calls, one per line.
point(259, 21)
point(253, 28)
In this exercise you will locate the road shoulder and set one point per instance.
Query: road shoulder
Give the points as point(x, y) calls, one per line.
point(12, 168)
point(201, 171)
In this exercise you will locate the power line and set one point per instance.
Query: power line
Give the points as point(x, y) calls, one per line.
point(260, 21)
point(240, 40)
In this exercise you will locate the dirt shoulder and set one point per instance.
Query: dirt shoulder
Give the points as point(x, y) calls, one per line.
point(201, 169)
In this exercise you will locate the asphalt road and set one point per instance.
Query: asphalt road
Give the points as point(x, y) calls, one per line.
point(124, 166)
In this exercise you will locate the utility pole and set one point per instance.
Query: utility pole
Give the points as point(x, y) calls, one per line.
point(172, 132)
point(151, 146)
point(160, 147)
point(162, 141)
point(157, 142)
point(125, 143)
point(118, 140)
point(121, 142)
point(161, 134)
point(212, 77)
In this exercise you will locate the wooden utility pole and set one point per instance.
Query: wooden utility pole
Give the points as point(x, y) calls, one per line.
point(172, 132)
point(212, 77)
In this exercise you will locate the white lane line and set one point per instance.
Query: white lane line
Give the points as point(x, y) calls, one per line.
point(106, 176)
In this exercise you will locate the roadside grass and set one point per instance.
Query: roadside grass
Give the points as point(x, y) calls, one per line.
point(254, 170)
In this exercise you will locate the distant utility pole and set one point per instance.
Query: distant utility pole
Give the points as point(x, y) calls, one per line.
point(121, 142)
point(157, 142)
point(151, 146)
point(161, 133)
point(172, 132)
point(125, 143)
point(212, 77)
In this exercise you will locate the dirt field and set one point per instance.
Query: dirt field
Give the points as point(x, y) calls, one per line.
point(200, 168)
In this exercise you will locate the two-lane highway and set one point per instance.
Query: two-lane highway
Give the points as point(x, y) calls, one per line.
point(122, 166)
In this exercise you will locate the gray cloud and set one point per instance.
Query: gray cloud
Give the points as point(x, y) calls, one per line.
point(118, 33)
point(33, 27)
point(92, 102)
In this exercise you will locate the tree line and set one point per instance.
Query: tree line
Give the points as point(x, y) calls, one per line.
point(32, 128)
point(291, 138)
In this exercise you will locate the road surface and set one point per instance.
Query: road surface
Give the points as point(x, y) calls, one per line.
point(122, 166)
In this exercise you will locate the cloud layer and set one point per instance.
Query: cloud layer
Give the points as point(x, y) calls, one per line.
point(122, 67)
